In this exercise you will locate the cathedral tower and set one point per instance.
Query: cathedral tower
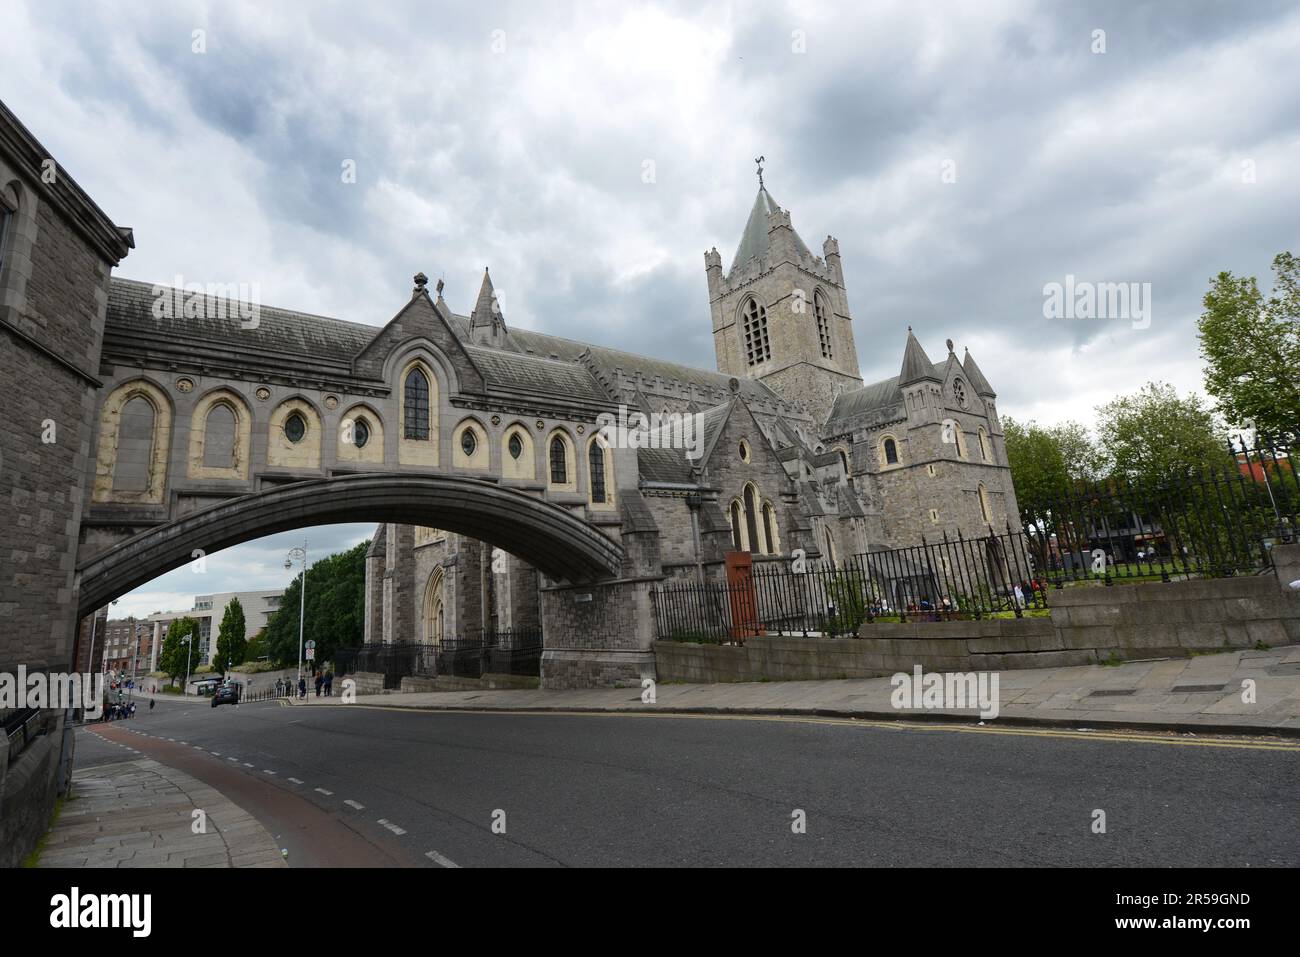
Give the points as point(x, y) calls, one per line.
point(781, 314)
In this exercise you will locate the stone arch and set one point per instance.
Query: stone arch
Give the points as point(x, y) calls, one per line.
point(281, 450)
point(110, 418)
point(553, 459)
point(240, 442)
point(986, 507)
point(480, 455)
point(846, 459)
point(985, 448)
point(361, 420)
point(435, 608)
point(600, 473)
point(546, 536)
point(525, 465)
point(417, 417)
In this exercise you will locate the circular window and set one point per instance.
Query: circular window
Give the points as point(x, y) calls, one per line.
point(360, 433)
point(516, 446)
point(468, 442)
point(295, 427)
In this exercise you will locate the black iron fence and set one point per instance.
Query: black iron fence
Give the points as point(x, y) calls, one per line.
point(949, 579)
point(1211, 522)
point(513, 651)
point(1219, 520)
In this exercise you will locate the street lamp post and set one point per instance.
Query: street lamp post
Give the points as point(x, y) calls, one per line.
point(186, 641)
point(300, 554)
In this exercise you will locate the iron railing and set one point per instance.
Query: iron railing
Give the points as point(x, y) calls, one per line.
point(948, 579)
point(1210, 522)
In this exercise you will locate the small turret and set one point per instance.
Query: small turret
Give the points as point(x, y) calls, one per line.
point(487, 327)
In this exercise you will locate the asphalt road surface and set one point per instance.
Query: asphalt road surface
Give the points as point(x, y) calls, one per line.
point(356, 785)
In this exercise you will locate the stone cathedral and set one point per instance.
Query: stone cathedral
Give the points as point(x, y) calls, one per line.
point(794, 451)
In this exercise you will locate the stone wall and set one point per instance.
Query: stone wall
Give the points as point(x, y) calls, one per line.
point(1088, 625)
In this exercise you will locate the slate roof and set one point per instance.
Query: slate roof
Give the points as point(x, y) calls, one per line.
point(916, 364)
point(976, 377)
point(130, 308)
point(516, 371)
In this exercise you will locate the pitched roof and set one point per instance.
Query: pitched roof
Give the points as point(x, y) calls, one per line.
point(753, 241)
point(916, 364)
point(976, 377)
point(282, 331)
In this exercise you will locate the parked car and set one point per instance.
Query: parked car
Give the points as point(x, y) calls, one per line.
point(226, 694)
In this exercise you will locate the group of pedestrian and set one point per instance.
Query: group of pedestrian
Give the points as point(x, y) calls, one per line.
point(118, 710)
point(323, 681)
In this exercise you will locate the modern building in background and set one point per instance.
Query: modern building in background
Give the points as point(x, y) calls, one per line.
point(208, 611)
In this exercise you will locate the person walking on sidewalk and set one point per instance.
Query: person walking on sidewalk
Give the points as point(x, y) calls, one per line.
point(329, 683)
point(319, 681)
point(302, 687)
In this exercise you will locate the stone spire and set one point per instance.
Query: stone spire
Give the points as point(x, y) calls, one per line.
point(754, 242)
point(916, 364)
point(487, 327)
point(976, 377)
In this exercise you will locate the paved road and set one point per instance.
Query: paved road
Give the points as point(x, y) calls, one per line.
point(371, 785)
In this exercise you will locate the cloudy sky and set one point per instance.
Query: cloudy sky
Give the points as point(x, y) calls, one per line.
point(965, 155)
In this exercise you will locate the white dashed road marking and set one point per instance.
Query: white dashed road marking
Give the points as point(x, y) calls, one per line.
point(439, 859)
point(267, 771)
point(295, 780)
point(354, 804)
point(324, 792)
point(391, 826)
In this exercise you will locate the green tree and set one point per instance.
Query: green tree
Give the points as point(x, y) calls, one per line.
point(1251, 347)
point(1047, 460)
point(231, 643)
point(1155, 436)
point(172, 657)
point(336, 605)
point(256, 646)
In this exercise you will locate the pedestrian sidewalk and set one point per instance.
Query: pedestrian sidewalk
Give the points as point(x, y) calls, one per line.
point(1204, 693)
point(141, 814)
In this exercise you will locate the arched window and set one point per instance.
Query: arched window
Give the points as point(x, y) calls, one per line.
point(735, 526)
point(889, 450)
point(134, 446)
point(596, 464)
point(220, 432)
point(751, 521)
point(416, 405)
point(985, 510)
point(758, 348)
point(984, 445)
point(959, 438)
point(769, 527)
point(823, 324)
point(844, 461)
point(559, 461)
point(360, 432)
point(515, 445)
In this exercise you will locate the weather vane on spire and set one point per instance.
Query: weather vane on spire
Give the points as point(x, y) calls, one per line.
point(759, 162)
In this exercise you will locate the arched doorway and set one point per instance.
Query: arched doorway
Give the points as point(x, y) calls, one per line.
point(434, 609)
